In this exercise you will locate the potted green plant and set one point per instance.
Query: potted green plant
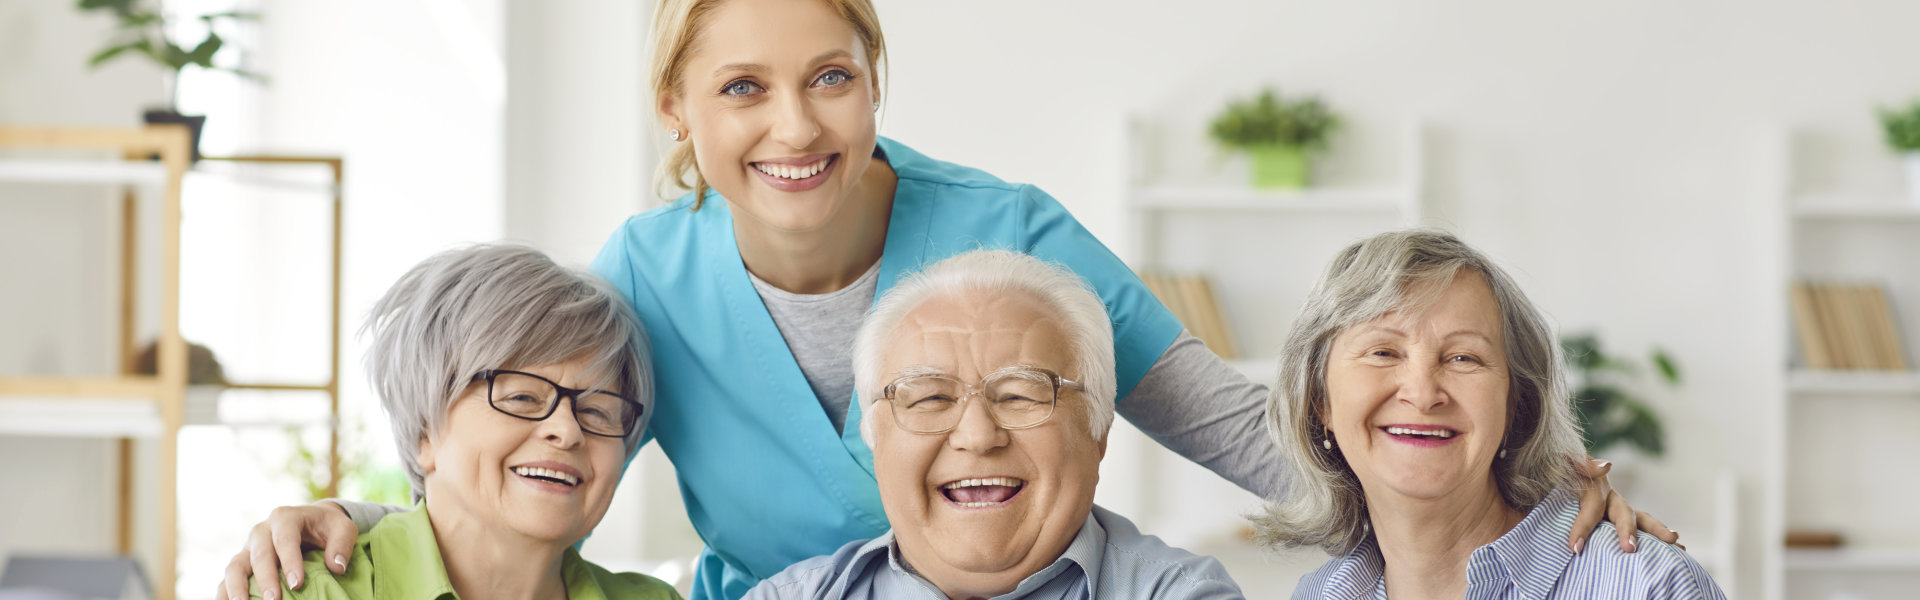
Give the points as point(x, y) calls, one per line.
point(1903, 135)
point(1278, 134)
point(142, 31)
point(1609, 412)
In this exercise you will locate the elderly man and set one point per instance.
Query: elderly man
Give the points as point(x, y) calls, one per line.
point(988, 384)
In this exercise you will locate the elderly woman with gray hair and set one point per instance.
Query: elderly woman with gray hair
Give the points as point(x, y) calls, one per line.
point(517, 390)
point(1423, 413)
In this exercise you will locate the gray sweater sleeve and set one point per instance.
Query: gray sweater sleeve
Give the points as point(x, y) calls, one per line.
point(1200, 407)
point(364, 514)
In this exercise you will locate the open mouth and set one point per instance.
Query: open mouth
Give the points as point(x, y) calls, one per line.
point(547, 475)
point(795, 172)
point(983, 492)
point(1420, 434)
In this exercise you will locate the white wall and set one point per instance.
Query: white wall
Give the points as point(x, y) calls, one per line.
point(1606, 153)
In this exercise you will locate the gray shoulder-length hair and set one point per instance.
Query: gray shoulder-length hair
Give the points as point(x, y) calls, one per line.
point(1084, 317)
point(1405, 270)
point(495, 306)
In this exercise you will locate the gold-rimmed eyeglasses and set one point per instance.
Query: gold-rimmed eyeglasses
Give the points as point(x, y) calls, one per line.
point(1018, 397)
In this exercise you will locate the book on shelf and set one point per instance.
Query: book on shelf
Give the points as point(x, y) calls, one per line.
point(1191, 300)
point(1845, 326)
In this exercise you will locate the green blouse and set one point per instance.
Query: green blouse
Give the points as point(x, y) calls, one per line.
point(399, 559)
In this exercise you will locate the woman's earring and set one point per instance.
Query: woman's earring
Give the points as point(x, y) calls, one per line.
point(876, 107)
point(1327, 439)
point(1503, 453)
point(674, 134)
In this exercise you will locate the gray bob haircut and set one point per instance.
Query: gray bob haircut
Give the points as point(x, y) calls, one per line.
point(495, 306)
point(996, 272)
point(1405, 271)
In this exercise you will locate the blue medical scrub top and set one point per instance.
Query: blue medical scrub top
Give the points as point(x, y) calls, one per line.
point(767, 480)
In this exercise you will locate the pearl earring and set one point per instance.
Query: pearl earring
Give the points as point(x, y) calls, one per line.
point(1503, 453)
point(674, 134)
point(1326, 438)
point(1328, 444)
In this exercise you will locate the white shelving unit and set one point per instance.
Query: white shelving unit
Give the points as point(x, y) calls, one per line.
point(1262, 251)
point(1845, 448)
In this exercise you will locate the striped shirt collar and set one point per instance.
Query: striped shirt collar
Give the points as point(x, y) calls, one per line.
point(1530, 558)
point(1082, 558)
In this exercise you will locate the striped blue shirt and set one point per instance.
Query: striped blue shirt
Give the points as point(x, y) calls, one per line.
point(1533, 562)
point(1108, 558)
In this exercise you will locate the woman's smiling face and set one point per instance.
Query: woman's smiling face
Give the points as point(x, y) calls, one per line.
point(1417, 402)
point(777, 98)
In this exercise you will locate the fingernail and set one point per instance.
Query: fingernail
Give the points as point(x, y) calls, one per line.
point(1630, 545)
point(1578, 544)
point(340, 560)
point(1673, 531)
point(293, 580)
point(1602, 464)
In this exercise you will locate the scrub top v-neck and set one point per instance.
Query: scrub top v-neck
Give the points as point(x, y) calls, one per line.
point(766, 478)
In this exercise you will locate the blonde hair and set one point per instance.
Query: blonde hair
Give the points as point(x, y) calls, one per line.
point(1404, 270)
point(676, 25)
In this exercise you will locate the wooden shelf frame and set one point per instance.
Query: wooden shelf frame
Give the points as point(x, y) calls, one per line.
point(337, 166)
point(167, 388)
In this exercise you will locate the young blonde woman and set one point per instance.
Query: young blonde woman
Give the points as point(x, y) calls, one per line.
point(753, 284)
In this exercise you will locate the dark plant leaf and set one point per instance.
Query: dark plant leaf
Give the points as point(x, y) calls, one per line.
point(237, 15)
point(1644, 431)
point(244, 74)
point(99, 4)
point(112, 51)
point(1582, 351)
point(1668, 370)
point(203, 54)
point(175, 57)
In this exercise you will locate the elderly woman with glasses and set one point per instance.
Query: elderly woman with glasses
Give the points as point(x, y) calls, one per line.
point(517, 390)
point(1423, 414)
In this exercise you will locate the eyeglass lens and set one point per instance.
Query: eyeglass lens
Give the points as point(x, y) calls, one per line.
point(597, 412)
point(933, 403)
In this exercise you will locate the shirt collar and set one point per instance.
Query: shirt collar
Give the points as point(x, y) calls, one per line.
point(410, 566)
point(1086, 551)
point(408, 557)
point(1532, 556)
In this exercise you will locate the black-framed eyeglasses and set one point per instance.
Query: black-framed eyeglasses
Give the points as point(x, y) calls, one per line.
point(1018, 397)
point(534, 398)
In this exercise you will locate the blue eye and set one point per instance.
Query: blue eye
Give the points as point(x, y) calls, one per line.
point(833, 78)
point(740, 88)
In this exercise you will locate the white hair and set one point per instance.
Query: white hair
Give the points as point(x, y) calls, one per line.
point(996, 272)
point(1396, 271)
point(495, 306)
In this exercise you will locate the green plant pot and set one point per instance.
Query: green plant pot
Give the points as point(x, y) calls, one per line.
point(1278, 167)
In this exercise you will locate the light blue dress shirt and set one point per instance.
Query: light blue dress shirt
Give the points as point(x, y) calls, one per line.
point(1109, 558)
point(1533, 562)
point(767, 479)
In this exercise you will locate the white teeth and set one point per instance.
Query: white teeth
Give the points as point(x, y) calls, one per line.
point(1000, 481)
point(547, 473)
point(1439, 433)
point(793, 172)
